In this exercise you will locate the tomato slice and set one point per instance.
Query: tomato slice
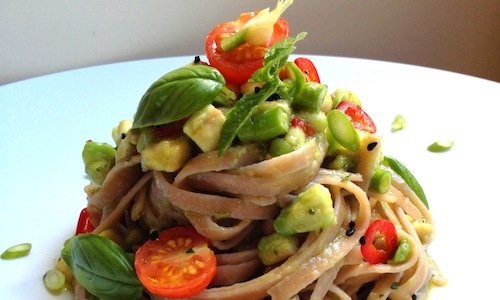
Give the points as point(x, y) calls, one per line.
point(308, 68)
point(237, 65)
point(359, 118)
point(84, 225)
point(177, 264)
point(381, 241)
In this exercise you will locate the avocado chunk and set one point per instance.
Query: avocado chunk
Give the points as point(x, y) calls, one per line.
point(98, 158)
point(167, 155)
point(311, 210)
point(275, 248)
point(204, 127)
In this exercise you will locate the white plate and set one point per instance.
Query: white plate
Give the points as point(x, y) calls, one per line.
point(45, 121)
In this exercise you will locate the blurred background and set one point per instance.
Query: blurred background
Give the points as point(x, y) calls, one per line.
point(41, 37)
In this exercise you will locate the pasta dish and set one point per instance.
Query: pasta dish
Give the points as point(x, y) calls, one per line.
point(245, 177)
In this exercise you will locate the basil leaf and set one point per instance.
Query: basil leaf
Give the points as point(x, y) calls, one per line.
point(407, 176)
point(240, 114)
point(178, 94)
point(102, 267)
point(274, 60)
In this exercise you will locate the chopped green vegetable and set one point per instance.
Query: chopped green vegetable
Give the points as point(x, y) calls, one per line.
point(342, 131)
point(407, 176)
point(265, 126)
point(54, 280)
point(102, 267)
point(274, 60)
point(178, 94)
point(98, 158)
point(280, 146)
point(340, 95)
point(402, 252)
point(342, 162)
point(311, 210)
point(440, 146)
point(380, 181)
point(275, 248)
point(16, 251)
point(399, 123)
point(310, 97)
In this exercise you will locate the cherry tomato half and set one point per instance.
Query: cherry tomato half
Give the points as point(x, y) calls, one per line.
point(237, 65)
point(84, 225)
point(381, 241)
point(359, 118)
point(307, 67)
point(178, 264)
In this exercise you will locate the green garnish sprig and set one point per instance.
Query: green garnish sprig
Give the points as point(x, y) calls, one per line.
point(274, 60)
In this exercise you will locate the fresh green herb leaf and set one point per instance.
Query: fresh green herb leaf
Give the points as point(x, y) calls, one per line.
point(178, 94)
point(240, 114)
point(407, 176)
point(274, 60)
point(16, 251)
point(399, 123)
point(102, 267)
point(440, 146)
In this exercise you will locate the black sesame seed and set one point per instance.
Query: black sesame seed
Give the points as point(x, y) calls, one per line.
point(350, 231)
point(197, 59)
point(352, 224)
point(413, 297)
point(154, 235)
point(362, 240)
point(123, 136)
point(273, 97)
point(371, 146)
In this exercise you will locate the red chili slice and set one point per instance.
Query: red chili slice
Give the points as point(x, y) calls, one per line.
point(380, 242)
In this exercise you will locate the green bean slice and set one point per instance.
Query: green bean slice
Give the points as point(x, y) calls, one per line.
point(16, 251)
point(440, 146)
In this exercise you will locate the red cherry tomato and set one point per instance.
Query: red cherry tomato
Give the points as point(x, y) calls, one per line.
point(237, 65)
point(84, 225)
point(381, 241)
point(308, 68)
point(359, 118)
point(177, 264)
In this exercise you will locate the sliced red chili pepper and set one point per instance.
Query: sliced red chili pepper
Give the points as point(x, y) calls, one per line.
point(302, 124)
point(308, 68)
point(170, 130)
point(359, 118)
point(84, 225)
point(381, 241)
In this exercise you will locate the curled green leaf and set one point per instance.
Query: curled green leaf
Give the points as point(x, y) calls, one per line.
point(102, 267)
point(407, 176)
point(178, 94)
